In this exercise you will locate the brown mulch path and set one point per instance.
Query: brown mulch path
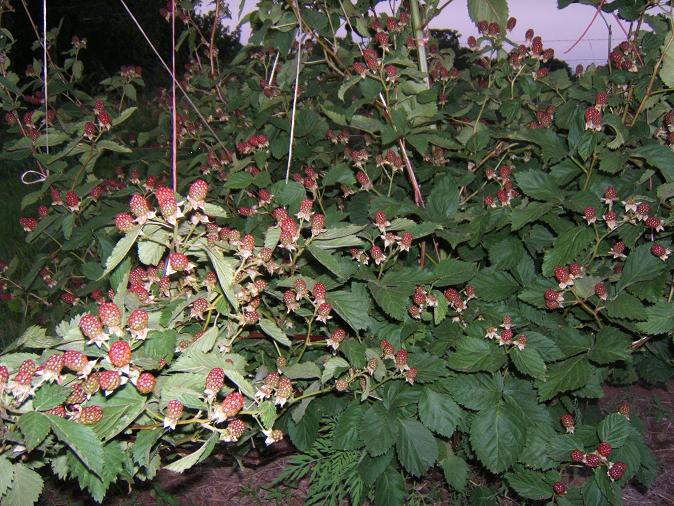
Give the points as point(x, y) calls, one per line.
point(220, 483)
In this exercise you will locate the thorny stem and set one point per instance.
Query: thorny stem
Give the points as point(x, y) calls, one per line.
point(211, 46)
point(652, 80)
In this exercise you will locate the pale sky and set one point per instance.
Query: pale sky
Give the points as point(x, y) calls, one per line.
point(558, 28)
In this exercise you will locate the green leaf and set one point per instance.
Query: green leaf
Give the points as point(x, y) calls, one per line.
point(640, 266)
point(6, 474)
point(474, 355)
point(441, 309)
point(545, 346)
point(665, 191)
point(109, 145)
point(352, 306)
point(49, 396)
point(632, 454)
point(26, 487)
point(475, 391)
point(609, 489)
point(439, 412)
point(453, 272)
point(120, 251)
point(81, 440)
point(539, 185)
point(142, 447)
point(612, 162)
point(338, 265)
point(333, 367)
point(96, 486)
point(303, 370)
point(345, 436)
point(553, 148)
point(124, 115)
point(621, 132)
point(536, 451)
point(150, 252)
point(497, 436)
point(202, 362)
point(567, 248)
point(115, 459)
point(224, 269)
point(443, 200)
point(592, 494)
point(610, 345)
point(614, 429)
point(488, 10)
point(36, 337)
point(626, 306)
point(371, 468)
point(194, 458)
point(378, 429)
point(390, 489)
point(659, 319)
point(506, 253)
point(394, 302)
point(346, 85)
point(214, 211)
point(365, 123)
point(456, 472)
point(528, 213)
point(119, 411)
point(304, 432)
point(530, 484)
point(529, 362)
point(563, 376)
point(416, 447)
point(493, 285)
point(667, 69)
point(273, 331)
point(34, 427)
point(584, 286)
point(268, 414)
point(658, 156)
point(370, 88)
point(239, 180)
point(339, 232)
point(572, 342)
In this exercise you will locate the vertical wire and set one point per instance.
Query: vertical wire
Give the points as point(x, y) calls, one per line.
point(45, 72)
point(174, 145)
point(297, 84)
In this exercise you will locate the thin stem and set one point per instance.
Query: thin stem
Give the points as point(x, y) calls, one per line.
point(652, 80)
point(311, 394)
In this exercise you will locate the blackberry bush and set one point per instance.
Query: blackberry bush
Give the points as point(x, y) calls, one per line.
point(392, 263)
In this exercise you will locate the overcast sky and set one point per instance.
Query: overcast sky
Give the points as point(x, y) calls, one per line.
point(558, 28)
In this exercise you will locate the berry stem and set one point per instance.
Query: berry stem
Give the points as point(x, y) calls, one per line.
point(307, 338)
point(311, 394)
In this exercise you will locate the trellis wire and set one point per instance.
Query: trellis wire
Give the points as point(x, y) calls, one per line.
point(292, 120)
point(174, 140)
point(45, 71)
point(41, 175)
point(166, 67)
